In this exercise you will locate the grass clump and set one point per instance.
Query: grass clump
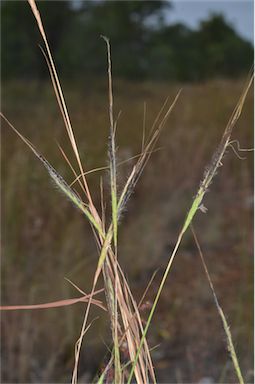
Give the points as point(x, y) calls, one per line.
point(125, 316)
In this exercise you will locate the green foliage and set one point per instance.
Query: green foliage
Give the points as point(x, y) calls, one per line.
point(144, 46)
point(221, 49)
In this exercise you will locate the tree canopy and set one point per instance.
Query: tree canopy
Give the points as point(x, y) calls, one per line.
point(144, 44)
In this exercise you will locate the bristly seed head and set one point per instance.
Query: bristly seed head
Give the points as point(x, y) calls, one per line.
point(203, 208)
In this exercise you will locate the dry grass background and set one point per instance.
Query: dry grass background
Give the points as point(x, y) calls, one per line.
point(45, 239)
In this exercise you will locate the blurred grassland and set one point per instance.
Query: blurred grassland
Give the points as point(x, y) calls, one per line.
point(45, 239)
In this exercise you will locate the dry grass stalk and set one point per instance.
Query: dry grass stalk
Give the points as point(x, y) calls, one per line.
point(230, 344)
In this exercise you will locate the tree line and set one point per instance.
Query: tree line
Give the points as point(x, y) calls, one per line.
point(144, 44)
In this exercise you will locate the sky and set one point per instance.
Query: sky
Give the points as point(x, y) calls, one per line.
point(240, 13)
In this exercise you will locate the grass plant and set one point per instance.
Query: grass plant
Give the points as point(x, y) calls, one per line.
point(230, 344)
point(197, 204)
point(126, 321)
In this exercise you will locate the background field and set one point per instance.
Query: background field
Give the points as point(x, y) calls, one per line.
point(45, 239)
